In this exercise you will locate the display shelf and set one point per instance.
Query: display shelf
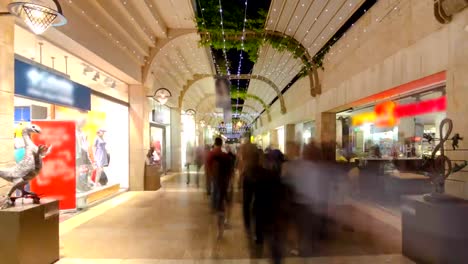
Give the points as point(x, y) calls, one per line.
point(86, 199)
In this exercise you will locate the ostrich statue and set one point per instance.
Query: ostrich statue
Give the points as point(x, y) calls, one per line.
point(27, 169)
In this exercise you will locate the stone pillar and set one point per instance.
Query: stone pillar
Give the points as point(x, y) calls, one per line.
point(139, 135)
point(326, 126)
point(289, 138)
point(7, 91)
point(274, 144)
point(457, 92)
point(176, 137)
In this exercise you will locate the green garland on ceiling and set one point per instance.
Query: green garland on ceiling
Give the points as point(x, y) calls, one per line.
point(208, 23)
point(244, 96)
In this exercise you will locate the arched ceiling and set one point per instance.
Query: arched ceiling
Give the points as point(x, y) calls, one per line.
point(156, 42)
point(176, 63)
point(312, 23)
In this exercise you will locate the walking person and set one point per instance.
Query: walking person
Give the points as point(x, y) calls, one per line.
point(248, 163)
point(219, 167)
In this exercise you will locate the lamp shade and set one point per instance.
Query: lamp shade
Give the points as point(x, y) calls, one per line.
point(38, 15)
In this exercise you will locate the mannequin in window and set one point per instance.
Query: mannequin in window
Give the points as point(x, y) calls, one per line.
point(100, 154)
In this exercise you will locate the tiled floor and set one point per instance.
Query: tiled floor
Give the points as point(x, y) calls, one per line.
point(175, 225)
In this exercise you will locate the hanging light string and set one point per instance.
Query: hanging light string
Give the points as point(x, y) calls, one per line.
point(224, 38)
point(131, 52)
point(241, 56)
point(202, 9)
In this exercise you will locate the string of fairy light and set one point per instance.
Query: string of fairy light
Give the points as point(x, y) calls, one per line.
point(224, 38)
point(241, 56)
point(321, 39)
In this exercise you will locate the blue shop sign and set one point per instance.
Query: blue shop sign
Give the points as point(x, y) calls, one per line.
point(34, 82)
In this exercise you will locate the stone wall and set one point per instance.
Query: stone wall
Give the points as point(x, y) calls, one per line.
point(7, 90)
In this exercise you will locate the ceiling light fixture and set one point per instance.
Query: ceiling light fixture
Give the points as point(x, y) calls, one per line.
point(38, 15)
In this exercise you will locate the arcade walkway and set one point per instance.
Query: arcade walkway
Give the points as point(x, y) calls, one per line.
point(175, 225)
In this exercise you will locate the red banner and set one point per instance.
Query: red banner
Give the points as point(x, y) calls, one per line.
point(58, 176)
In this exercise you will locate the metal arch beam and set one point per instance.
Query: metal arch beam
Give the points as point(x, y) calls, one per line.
point(209, 97)
point(265, 80)
point(198, 77)
point(172, 34)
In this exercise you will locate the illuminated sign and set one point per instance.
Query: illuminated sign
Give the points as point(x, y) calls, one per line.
point(34, 82)
point(388, 113)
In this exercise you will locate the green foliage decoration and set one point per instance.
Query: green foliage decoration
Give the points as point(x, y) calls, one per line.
point(209, 20)
point(244, 96)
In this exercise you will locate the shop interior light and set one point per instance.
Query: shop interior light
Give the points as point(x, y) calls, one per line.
point(387, 114)
point(37, 15)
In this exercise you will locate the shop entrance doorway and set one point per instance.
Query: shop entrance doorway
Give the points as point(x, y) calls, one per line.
point(158, 142)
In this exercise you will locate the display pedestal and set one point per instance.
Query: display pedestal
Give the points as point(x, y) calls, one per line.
point(30, 233)
point(152, 178)
point(434, 232)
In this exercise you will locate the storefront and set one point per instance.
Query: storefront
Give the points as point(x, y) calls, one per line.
point(88, 134)
point(390, 135)
point(304, 133)
point(362, 133)
point(160, 136)
point(188, 136)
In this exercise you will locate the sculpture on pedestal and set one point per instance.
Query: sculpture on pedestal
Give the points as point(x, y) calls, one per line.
point(27, 169)
point(439, 168)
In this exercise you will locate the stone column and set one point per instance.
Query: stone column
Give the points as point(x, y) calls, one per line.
point(176, 140)
point(274, 144)
point(457, 92)
point(326, 126)
point(289, 138)
point(7, 91)
point(139, 135)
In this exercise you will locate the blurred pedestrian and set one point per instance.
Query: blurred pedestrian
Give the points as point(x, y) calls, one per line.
point(248, 162)
point(198, 160)
point(309, 179)
point(219, 167)
point(267, 204)
point(207, 172)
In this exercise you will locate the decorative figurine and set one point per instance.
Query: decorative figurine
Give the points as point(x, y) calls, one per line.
point(27, 169)
point(459, 167)
point(440, 167)
point(428, 137)
point(455, 140)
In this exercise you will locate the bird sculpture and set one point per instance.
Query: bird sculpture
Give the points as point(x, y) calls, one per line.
point(458, 167)
point(27, 169)
point(428, 137)
point(455, 139)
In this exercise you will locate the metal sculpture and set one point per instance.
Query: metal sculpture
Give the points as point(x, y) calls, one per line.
point(440, 167)
point(27, 169)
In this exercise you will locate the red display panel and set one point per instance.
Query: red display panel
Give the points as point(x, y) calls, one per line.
point(58, 176)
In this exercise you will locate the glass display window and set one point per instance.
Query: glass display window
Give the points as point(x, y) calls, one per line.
point(408, 138)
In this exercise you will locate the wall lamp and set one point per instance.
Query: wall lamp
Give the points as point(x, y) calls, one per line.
point(190, 112)
point(161, 95)
point(38, 17)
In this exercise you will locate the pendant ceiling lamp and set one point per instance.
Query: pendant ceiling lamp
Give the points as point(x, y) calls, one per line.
point(39, 15)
